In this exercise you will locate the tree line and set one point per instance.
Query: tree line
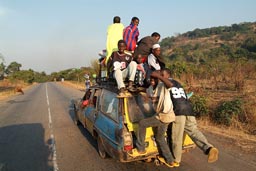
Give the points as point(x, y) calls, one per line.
point(13, 72)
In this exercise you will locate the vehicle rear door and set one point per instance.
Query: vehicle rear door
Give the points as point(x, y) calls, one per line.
point(91, 110)
point(108, 122)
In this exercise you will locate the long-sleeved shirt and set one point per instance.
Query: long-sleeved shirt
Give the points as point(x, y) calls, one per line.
point(153, 62)
point(144, 46)
point(130, 36)
point(114, 34)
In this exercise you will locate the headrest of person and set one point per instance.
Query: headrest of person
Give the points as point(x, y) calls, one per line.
point(155, 46)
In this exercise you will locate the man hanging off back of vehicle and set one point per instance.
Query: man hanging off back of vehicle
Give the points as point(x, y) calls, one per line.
point(185, 120)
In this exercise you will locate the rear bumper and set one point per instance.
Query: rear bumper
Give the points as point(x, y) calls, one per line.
point(132, 156)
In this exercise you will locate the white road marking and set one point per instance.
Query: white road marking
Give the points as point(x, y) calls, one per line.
point(50, 117)
point(52, 142)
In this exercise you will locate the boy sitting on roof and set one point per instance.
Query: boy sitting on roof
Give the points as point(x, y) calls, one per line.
point(123, 67)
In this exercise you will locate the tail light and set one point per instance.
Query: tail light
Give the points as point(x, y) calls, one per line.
point(127, 147)
point(127, 139)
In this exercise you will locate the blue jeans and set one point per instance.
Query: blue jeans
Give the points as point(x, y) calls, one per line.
point(160, 131)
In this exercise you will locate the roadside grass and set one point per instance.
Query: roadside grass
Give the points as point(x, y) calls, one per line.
point(238, 137)
point(74, 84)
point(8, 88)
point(242, 129)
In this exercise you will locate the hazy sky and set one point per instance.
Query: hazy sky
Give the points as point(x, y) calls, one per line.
point(53, 35)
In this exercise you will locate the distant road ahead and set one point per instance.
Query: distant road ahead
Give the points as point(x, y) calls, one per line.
point(37, 134)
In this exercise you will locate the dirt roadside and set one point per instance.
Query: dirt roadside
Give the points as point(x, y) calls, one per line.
point(11, 90)
point(243, 142)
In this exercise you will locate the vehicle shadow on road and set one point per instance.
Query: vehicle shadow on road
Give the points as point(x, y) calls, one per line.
point(23, 147)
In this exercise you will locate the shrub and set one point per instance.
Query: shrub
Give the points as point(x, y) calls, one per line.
point(178, 69)
point(199, 105)
point(226, 111)
point(250, 44)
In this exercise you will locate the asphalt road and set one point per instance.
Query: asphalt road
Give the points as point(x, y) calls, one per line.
point(37, 134)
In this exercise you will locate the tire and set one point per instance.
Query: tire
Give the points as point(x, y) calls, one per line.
point(101, 149)
point(148, 160)
point(157, 162)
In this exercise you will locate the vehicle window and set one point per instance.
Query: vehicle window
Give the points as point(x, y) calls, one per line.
point(87, 94)
point(139, 107)
point(109, 104)
point(86, 99)
point(95, 97)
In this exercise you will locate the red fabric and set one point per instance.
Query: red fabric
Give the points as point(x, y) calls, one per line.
point(144, 59)
point(85, 102)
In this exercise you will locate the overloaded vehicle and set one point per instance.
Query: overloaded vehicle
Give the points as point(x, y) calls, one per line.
point(113, 122)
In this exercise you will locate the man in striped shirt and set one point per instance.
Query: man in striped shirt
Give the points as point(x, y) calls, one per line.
point(131, 34)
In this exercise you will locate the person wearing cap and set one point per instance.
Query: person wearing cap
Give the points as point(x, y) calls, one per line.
point(153, 62)
point(87, 81)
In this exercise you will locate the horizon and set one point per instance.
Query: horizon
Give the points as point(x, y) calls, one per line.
point(53, 36)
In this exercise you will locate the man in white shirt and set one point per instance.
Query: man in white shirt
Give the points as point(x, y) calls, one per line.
point(153, 58)
point(153, 62)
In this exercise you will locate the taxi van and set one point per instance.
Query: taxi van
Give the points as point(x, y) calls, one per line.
point(113, 122)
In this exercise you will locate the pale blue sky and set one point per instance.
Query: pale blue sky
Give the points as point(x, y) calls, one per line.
point(53, 35)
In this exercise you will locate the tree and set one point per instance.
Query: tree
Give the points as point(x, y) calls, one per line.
point(95, 66)
point(167, 43)
point(13, 67)
point(250, 44)
point(2, 58)
point(2, 69)
point(77, 73)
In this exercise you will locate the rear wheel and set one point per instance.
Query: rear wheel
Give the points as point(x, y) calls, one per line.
point(148, 160)
point(157, 162)
point(101, 148)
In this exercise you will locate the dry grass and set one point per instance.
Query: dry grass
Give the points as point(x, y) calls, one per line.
point(8, 88)
point(242, 131)
point(73, 84)
point(245, 141)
